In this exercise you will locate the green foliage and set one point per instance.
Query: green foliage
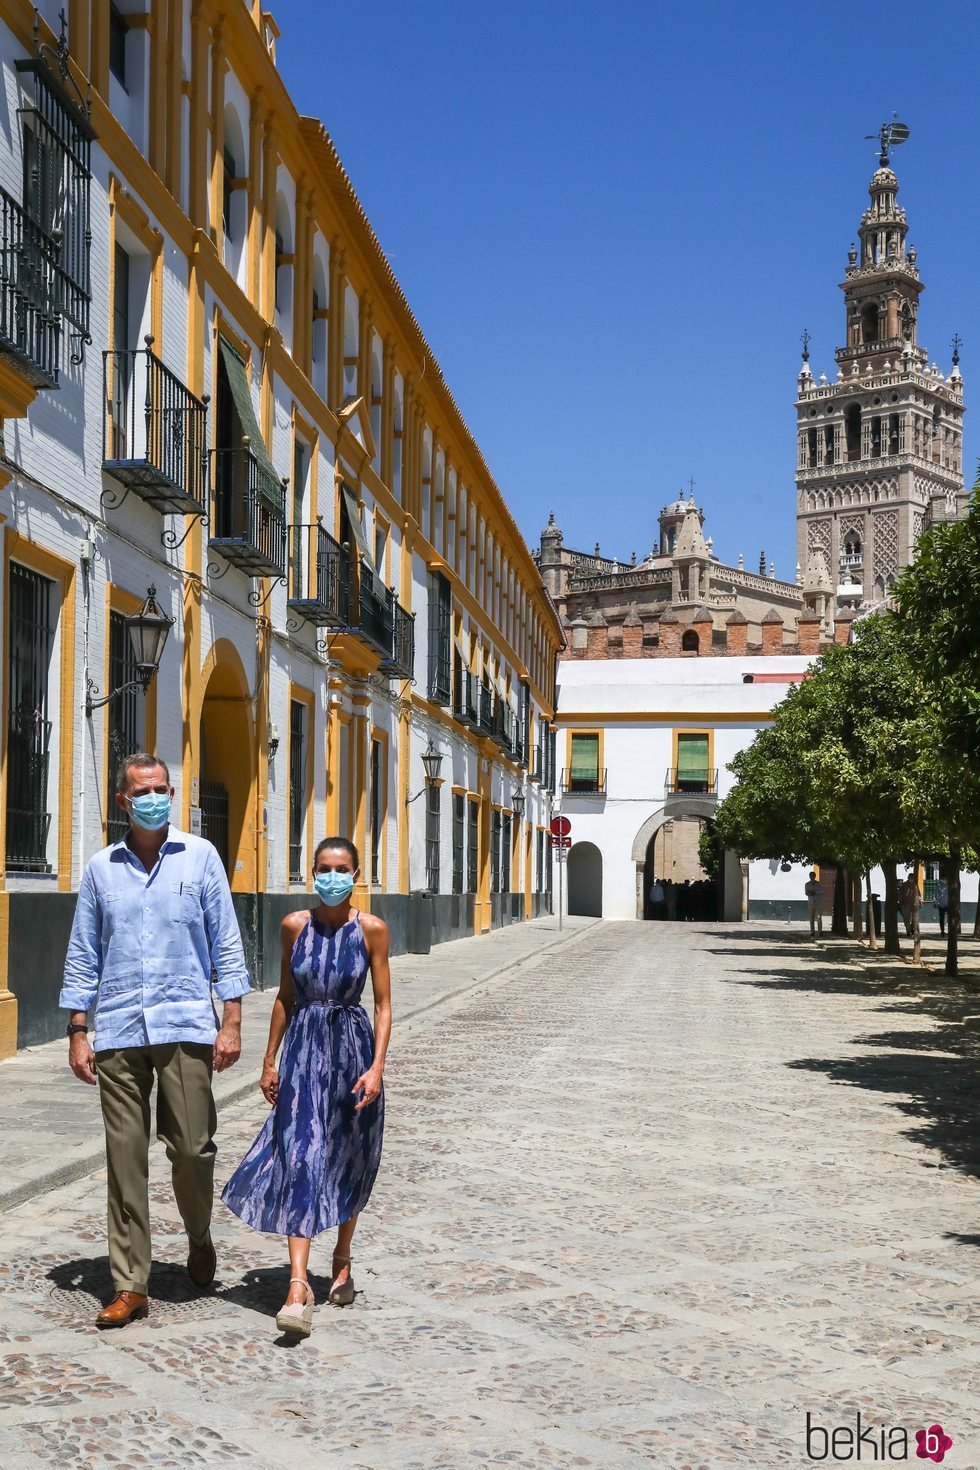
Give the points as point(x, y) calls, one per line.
point(711, 852)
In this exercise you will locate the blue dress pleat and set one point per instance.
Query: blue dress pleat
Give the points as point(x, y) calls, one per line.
point(314, 1163)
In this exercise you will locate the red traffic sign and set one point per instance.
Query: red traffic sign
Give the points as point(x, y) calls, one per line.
point(561, 842)
point(560, 826)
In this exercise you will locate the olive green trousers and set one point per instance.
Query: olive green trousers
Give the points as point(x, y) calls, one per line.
point(185, 1124)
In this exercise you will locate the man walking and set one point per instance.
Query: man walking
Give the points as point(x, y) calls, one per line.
point(154, 920)
point(812, 891)
point(941, 901)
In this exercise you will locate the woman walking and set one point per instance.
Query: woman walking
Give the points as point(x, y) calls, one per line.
point(314, 1163)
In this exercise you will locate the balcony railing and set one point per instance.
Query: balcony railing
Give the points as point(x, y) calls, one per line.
point(486, 714)
point(401, 664)
point(592, 783)
point(691, 783)
point(852, 559)
point(319, 577)
point(466, 699)
point(30, 324)
point(248, 513)
point(154, 431)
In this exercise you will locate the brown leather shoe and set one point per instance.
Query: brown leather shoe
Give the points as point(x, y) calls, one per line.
point(126, 1306)
point(202, 1263)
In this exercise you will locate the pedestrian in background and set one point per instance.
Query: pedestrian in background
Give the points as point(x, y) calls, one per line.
point(154, 920)
point(812, 890)
point(910, 902)
point(313, 1165)
point(658, 903)
point(941, 902)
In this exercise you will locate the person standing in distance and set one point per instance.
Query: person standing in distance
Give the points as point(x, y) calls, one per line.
point(812, 890)
point(313, 1165)
point(154, 920)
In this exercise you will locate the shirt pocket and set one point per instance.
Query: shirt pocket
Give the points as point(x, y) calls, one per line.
point(187, 914)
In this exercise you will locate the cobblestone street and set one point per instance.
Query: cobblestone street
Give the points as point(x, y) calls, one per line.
point(650, 1198)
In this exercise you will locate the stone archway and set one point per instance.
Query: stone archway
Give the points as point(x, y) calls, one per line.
point(227, 764)
point(692, 807)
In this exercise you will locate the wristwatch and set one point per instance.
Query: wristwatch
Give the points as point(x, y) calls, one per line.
point(72, 1029)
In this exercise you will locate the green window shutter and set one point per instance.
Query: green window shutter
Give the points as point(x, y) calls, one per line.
point(692, 757)
point(585, 757)
point(270, 485)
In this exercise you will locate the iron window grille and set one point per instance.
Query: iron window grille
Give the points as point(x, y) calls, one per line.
point(432, 824)
point(319, 577)
point(248, 513)
point(126, 718)
point(473, 848)
point(154, 430)
point(440, 639)
point(506, 841)
point(459, 840)
point(495, 852)
point(31, 642)
point(297, 787)
point(58, 175)
point(214, 817)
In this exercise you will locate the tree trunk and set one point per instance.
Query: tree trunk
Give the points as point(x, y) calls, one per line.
point(976, 922)
point(890, 870)
point(872, 929)
point(857, 929)
point(838, 925)
point(951, 872)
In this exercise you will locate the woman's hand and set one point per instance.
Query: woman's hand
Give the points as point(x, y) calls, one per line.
point(269, 1082)
point(369, 1083)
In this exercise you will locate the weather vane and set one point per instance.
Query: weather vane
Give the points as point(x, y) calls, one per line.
point(956, 344)
point(806, 339)
point(888, 136)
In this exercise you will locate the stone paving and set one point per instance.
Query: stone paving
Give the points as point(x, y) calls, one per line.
point(651, 1198)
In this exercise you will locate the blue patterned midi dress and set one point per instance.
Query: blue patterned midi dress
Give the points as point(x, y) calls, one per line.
point(314, 1163)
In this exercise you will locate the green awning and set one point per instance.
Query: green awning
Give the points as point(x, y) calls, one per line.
point(354, 520)
point(692, 757)
point(269, 483)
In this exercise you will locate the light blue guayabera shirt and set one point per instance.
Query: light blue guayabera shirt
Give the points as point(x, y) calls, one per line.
point(144, 945)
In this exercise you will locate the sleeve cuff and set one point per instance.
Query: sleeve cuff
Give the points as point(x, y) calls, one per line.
point(77, 1000)
point(232, 988)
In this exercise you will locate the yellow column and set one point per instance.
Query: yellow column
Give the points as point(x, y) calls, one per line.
point(483, 904)
point(219, 66)
point(335, 327)
point(193, 557)
point(175, 110)
point(99, 74)
point(8, 1001)
point(359, 780)
point(528, 863)
point(79, 36)
point(158, 84)
point(268, 267)
point(198, 153)
point(387, 410)
point(333, 760)
point(256, 126)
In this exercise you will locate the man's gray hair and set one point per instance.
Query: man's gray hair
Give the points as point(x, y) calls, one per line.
point(141, 761)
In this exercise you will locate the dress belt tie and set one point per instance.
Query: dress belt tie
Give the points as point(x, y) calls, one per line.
point(330, 1005)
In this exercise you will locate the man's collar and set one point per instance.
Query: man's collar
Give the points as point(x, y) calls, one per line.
point(175, 838)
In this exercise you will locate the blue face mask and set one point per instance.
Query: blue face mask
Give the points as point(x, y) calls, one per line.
point(151, 812)
point(333, 888)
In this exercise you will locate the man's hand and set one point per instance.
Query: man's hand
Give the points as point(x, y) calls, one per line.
point(227, 1045)
point(81, 1058)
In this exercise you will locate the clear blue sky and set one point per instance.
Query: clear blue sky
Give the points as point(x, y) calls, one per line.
point(614, 218)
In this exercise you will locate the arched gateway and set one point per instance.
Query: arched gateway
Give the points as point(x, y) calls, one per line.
point(690, 807)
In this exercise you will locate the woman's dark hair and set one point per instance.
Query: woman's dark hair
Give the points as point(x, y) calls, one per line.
point(344, 846)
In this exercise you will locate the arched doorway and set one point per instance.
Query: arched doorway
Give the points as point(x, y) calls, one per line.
point(651, 853)
point(585, 880)
point(673, 858)
point(227, 773)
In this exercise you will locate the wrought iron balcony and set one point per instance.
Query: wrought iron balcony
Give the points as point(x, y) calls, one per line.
point(248, 513)
point(486, 712)
point(690, 783)
point(319, 577)
point(401, 664)
point(154, 431)
point(30, 323)
point(466, 699)
point(577, 784)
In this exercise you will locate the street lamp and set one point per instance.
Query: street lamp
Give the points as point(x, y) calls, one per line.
point(148, 629)
point(518, 802)
point(432, 761)
point(273, 741)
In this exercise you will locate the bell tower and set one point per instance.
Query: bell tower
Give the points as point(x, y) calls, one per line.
point(879, 451)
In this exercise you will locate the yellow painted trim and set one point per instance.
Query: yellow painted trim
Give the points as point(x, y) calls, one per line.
point(404, 753)
point(582, 719)
point(8, 1001)
point(18, 548)
point(245, 783)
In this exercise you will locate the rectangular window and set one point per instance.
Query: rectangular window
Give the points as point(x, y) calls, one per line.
point(440, 638)
point(377, 806)
point(117, 44)
point(301, 459)
point(126, 718)
point(583, 774)
point(297, 788)
point(459, 840)
point(692, 762)
point(506, 843)
point(494, 852)
point(380, 547)
point(524, 723)
point(122, 363)
point(473, 848)
point(31, 635)
point(539, 887)
point(432, 821)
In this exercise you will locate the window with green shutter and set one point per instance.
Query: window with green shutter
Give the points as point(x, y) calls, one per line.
point(692, 762)
point(584, 767)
